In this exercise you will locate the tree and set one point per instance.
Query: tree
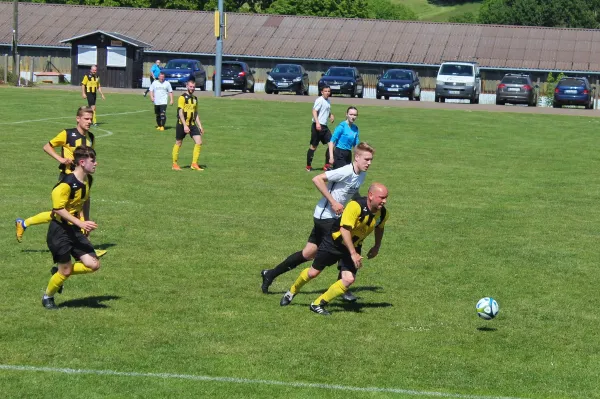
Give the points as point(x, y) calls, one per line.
point(379, 9)
point(384, 9)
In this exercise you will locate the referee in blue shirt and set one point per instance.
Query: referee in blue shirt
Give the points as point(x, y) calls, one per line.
point(345, 138)
point(154, 72)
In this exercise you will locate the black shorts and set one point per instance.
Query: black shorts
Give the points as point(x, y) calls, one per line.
point(180, 133)
point(158, 109)
point(65, 241)
point(91, 97)
point(316, 137)
point(321, 229)
point(330, 252)
point(341, 157)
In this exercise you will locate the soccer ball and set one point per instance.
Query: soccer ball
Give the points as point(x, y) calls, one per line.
point(487, 308)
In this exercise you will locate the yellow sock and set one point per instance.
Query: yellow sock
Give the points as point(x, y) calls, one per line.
point(175, 153)
point(302, 279)
point(40, 218)
point(338, 288)
point(94, 117)
point(196, 155)
point(80, 268)
point(56, 281)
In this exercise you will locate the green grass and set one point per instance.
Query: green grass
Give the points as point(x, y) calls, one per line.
point(428, 10)
point(481, 204)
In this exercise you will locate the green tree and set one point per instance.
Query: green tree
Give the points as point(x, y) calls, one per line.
point(378, 9)
point(466, 18)
point(384, 9)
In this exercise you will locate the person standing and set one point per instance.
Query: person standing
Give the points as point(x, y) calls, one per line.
point(154, 72)
point(65, 238)
point(345, 137)
point(90, 85)
point(188, 122)
point(337, 187)
point(159, 91)
point(344, 245)
point(319, 132)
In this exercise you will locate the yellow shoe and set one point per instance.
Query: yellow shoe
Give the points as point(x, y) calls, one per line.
point(162, 128)
point(195, 166)
point(176, 167)
point(20, 228)
point(100, 252)
point(157, 127)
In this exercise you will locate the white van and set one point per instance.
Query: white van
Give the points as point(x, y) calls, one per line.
point(458, 80)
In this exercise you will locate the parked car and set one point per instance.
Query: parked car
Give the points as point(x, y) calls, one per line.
point(236, 75)
point(343, 80)
point(399, 83)
point(287, 77)
point(517, 89)
point(573, 91)
point(179, 71)
point(458, 80)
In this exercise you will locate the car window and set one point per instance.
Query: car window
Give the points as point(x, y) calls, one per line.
point(339, 72)
point(233, 67)
point(515, 81)
point(572, 82)
point(456, 70)
point(399, 75)
point(178, 65)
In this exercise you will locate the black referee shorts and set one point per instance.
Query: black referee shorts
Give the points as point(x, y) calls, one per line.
point(91, 97)
point(316, 137)
point(341, 157)
point(65, 241)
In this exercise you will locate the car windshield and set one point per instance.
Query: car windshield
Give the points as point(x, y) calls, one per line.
point(457, 70)
point(340, 72)
point(179, 65)
point(286, 69)
point(515, 81)
point(572, 82)
point(398, 75)
point(233, 67)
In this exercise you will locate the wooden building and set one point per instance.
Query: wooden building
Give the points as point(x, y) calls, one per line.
point(119, 58)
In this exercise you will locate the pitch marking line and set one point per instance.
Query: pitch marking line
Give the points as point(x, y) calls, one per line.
point(68, 117)
point(108, 132)
point(245, 381)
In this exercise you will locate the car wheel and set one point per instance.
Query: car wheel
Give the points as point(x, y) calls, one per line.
point(362, 93)
point(275, 92)
point(437, 99)
point(268, 91)
point(556, 105)
point(387, 97)
point(442, 99)
point(378, 96)
point(252, 88)
point(299, 92)
point(306, 91)
point(418, 98)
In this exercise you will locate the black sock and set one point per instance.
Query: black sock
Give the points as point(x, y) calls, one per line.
point(158, 120)
point(291, 262)
point(327, 157)
point(309, 156)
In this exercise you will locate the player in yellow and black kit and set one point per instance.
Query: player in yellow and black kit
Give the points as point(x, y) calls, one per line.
point(65, 237)
point(359, 219)
point(90, 85)
point(188, 122)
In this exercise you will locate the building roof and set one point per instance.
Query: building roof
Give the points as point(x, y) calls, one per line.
point(114, 35)
point(327, 39)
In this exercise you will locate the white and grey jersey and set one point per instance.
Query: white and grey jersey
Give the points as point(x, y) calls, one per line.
point(323, 108)
point(342, 183)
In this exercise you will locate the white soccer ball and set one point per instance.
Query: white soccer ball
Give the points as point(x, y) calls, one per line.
point(487, 308)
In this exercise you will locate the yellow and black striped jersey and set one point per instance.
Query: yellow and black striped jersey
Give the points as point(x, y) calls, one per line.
point(68, 140)
point(91, 83)
point(189, 104)
point(360, 220)
point(70, 194)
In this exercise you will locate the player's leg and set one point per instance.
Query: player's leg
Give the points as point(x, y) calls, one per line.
point(157, 116)
point(179, 136)
point(60, 244)
point(339, 288)
point(22, 224)
point(314, 142)
point(197, 137)
point(163, 116)
point(91, 99)
point(325, 138)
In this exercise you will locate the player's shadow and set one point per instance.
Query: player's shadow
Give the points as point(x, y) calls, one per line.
point(94, 302)
point(188, 167)
point(486, 329)
point(352, 289)
point(100, 246)
point(358, 306)
point(105, 245)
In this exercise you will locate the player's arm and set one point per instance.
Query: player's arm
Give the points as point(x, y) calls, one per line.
point(320, 182)
point(171, 95)
point(347, 239)
point(198, 122)
point(378, 237)
point(60, 197)
point(151, 90)
point(334, 139)
point(83, 86)
point(315, 114)
point(58, 141)
point(347, 222)
point(100, 90)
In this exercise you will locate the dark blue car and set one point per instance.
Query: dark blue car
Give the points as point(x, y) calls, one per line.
point(399, 83)
point(573, 91)
point(179, 71)
point(343, 80)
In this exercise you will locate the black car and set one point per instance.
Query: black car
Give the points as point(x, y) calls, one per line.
point(517, 89)
point(343, 80)
point(236, 75)
point(399, 83)
point(287, 77)
point(573, 91)
point(179, 71)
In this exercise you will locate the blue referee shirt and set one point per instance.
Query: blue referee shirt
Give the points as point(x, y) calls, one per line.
point(345, 137)
point(155, 70)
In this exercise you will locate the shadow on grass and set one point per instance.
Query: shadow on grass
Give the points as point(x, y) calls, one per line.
point(486, 329)
point(357, 306)
point(94, 302)
point(105, 245)
point(101, 246)
point(352, 289)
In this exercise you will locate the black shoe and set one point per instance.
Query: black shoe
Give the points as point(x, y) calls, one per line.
point(320, 309)
point(48, 303)
point(349, 297)
point(266, 281)
point(286, 299)
point(53, 271)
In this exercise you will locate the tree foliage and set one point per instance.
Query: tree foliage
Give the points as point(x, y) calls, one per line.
point(321, 8)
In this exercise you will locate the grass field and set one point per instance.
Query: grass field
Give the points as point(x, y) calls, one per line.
point(432, 10)
point(481, 204)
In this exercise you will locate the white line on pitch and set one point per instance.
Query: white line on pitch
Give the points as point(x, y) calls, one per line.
point(108, 132)
point(68, 117)
point(246, 381)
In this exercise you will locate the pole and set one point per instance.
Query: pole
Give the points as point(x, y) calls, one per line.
point(16, 69)
point(219, 52)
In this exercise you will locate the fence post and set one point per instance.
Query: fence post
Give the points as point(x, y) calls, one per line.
point(596, 96)
point(5, 68)
point(32, 66)
point(18, 69)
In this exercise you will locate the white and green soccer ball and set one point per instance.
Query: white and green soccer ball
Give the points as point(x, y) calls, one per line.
point(487, 308)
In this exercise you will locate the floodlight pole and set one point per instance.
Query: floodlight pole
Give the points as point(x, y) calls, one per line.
point(219, 50)
point(15, 41)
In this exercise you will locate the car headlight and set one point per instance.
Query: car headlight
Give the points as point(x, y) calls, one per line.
point(269, 77)
point(380, 84)
point(440, 82)
point(298, 79)
point(321, 83)
point(406, 86)
point(351, 83)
